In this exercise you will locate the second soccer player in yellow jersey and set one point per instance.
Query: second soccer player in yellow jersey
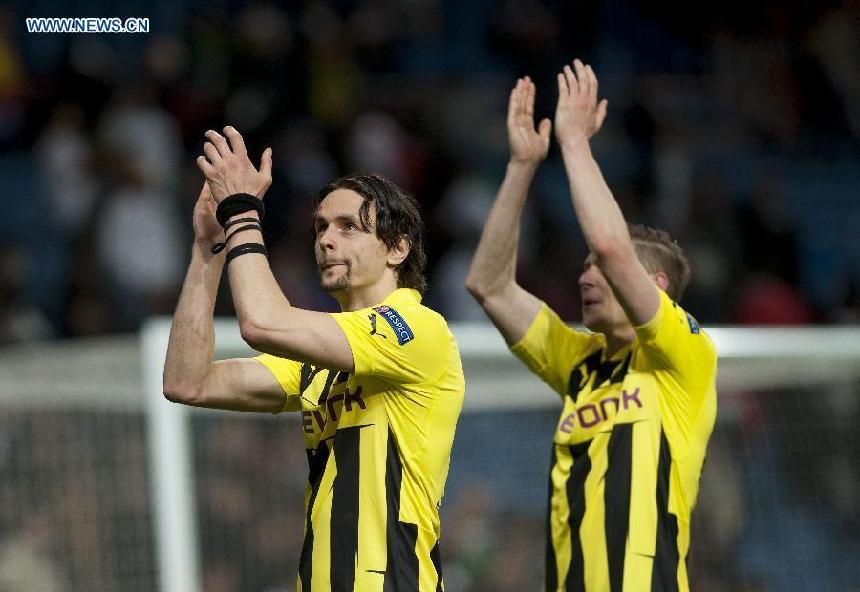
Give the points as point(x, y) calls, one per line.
point(379, 386)
point(638, 392)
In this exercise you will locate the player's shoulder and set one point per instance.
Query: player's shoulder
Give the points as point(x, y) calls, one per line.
point(689, 326)
point(561, 331)
point(403, 317)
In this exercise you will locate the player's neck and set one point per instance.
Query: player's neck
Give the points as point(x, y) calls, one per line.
point(618, 339)
point(365, 296)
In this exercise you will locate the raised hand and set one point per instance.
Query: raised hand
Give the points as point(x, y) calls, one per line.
point(227, 168)
point(207, 230)
point(578, 114)
point(526, 143)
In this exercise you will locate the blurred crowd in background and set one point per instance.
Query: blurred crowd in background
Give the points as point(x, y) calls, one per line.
point(734, 125)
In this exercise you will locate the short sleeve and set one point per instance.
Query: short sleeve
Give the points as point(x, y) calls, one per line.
point(674, 342)
point(288, 375)
point(408, 345)
point(551, 349)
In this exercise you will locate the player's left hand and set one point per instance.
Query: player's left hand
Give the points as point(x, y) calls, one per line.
point(526, 143)
point(227, 168)
point(207, 230)
point(578, 115)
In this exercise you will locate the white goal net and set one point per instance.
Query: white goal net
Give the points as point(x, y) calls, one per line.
point(104, 485)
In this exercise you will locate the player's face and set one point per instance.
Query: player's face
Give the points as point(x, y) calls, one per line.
point(348, 255)
point(601, 311)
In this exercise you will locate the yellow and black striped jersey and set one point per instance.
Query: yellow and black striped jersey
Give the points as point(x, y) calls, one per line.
point(628, 449)
point(379, 444)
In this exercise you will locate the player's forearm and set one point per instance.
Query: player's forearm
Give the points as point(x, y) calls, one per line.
point(261, 306)
point(191, 345)
point(494, 264)
point(597, 212)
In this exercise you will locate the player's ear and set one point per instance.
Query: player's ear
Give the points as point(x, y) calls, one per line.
point(398, 253)
point(662, 280)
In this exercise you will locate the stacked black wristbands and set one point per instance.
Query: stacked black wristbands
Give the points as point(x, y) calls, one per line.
point(232, 206)
point(238, 203)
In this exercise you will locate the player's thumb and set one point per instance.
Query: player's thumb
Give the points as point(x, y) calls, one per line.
point(266, 164)
point(544, 128)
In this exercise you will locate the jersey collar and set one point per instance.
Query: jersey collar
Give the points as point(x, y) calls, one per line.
point(402, 296)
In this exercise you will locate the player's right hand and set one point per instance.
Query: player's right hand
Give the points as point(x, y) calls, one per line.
point(526, 144)
point(207, 230)
point(578, 114)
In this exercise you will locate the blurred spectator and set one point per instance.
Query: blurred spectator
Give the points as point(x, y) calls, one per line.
point(67, 166)
point(764, 299)
point(462, 212)
point(139, 239)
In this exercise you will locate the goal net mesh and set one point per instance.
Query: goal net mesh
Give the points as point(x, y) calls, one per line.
point(777, 508)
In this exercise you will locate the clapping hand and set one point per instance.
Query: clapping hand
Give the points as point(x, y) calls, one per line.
point(578, 114)
point(526, 143)
point(227, 168)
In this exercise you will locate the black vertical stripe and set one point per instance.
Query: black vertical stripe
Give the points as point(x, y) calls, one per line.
point(344, 509)
point(401, 570)
point(616, 500)
point(611, 370)
point(317, 461)
point(551, 577)
point(436, 558)
point(575, 580)
point(326, 388)
point(306, 376)
point(619, 374)
point(664, 576)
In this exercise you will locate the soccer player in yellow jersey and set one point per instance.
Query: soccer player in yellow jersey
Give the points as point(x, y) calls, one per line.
point(638, 390)
point(379, 386)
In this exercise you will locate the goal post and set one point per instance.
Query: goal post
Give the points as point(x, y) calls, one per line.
point(750, 358)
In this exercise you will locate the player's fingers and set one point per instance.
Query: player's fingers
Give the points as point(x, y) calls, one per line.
point(563, 90)
point(516, 100)
point(237, 143)
point(207, 194)
point(207, 169)
point(570, 78)
point(218, 142)
point(581, 76)
point(592, 82)
point(530, 98)
point(602, 107)
point(211, 153)
point(266, 165)
point(512, 101)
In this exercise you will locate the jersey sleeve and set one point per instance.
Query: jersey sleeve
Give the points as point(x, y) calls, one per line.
point(409, 345)
point(675, 344)
point(551, 349)
point(288, 375)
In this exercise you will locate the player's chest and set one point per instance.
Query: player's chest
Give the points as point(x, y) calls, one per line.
point(604, 393)
point(336, 400)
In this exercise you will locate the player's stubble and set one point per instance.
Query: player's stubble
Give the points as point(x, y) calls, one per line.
point(342, 282)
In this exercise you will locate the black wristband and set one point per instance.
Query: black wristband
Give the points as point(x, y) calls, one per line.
point(246, 248)
point(243, 229)
point(238, 203)
point(218, 247)
point(239, 221)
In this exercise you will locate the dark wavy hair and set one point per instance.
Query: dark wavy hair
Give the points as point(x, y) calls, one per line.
point(397, 216)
